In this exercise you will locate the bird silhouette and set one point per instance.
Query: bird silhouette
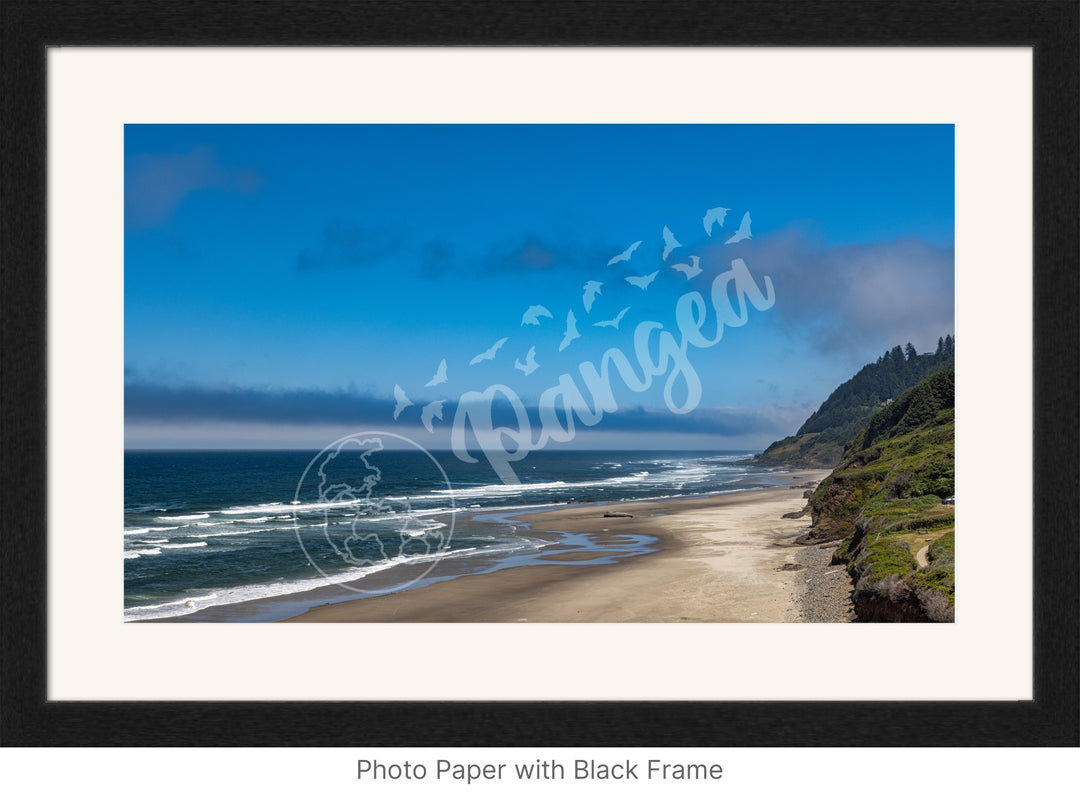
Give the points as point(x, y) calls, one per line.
point(670, 243)
point(642, 281)
point(615, 321)
point(717, 216)
point(742, 233)
point(401, 401)
point(689, 270)
point(440, 375)
point(489, 354)
point(592, 289)
point(533, 314)
point(625, 255)
point(430, 413)
point(530, 362)
point(571, 332)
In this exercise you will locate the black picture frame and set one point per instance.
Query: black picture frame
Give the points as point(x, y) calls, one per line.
point(28, 718)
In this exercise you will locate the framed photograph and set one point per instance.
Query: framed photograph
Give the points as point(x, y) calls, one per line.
point(595, 379)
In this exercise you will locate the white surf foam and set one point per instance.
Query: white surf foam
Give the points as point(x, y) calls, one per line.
point(279, 507)
point(177, 607)
point(147, 529)
point(242, 532)
point(286, 587)
point(502, 490)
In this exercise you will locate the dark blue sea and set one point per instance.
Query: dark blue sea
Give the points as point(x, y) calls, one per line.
point(209, 528)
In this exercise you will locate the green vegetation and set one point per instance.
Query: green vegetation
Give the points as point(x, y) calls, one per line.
point(889, 432)
point(822, 440)
point(916, 406)
point(939, 575)
point(805, 450)
point(884, 503)
point(886, 558)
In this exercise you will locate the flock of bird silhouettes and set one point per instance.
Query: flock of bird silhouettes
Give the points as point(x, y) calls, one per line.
point(713, 217)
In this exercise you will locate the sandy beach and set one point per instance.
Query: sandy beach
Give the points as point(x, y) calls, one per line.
point(722, 558)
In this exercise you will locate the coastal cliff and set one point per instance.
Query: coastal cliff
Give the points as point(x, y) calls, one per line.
point(888, 435)
point(886, 504)
point(822, 439)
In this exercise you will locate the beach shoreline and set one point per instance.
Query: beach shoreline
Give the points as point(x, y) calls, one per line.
point(727, 557)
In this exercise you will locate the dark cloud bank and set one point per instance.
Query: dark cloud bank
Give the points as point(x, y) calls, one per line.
point(145, 402)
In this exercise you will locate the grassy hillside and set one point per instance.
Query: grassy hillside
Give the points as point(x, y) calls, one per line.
point(822, 439)
point(805, 451)
point(884, 502)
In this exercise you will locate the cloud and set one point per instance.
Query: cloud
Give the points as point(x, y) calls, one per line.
point(719, 421)
point(437, 258)
point(769, 422)
point(159, 402)
point(763, 422)
point(524, 253)
point(846, 299)
point(529, 253)
point(156, 184)
point(148, 402)
point(350, 247)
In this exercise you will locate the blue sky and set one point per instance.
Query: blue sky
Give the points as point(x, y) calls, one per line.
point(281, 280)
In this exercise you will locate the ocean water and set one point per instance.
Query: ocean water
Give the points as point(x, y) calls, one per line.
point(205, 529)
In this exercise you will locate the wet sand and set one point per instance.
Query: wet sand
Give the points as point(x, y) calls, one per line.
point(723, 558)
